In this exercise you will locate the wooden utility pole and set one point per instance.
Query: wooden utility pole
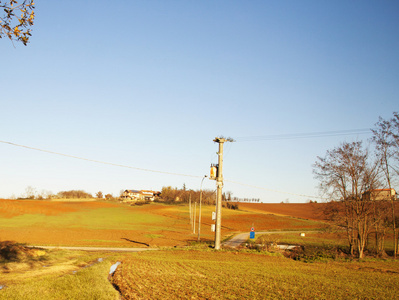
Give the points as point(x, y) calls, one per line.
point(199, 216)
point(219, 186)
point(195, 215)
point(191, 214)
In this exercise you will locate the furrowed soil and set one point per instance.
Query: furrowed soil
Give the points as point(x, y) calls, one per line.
point(310, 211)
point(111, 224)
point(190, 274)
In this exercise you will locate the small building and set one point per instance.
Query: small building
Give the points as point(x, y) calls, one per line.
point(381, 194)
point(136, 195)
point(131, 195)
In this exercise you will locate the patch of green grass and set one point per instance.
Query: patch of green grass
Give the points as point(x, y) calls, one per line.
point(154, 236)
point(100, 218)
point(321, 239)
point(63, 275)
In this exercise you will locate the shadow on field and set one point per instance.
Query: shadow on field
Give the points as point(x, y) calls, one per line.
point(145, 244)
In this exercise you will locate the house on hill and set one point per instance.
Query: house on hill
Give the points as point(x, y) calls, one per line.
point(381, 194)
point(135, 195)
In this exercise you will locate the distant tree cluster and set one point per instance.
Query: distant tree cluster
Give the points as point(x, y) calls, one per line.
point(172, 195)
point(74, 194)
point(175, 195)
point(31, 194)
point(254, 200)
point(351, 176)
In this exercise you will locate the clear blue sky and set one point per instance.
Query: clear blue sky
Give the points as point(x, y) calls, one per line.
point(150, 84)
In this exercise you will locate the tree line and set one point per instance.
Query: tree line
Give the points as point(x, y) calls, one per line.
point(31, 194)
point(352, 176)
point(183, 195)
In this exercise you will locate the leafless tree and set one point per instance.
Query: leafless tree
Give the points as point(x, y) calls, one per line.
point(345, 174)
point(386, 140)
point(30, 192)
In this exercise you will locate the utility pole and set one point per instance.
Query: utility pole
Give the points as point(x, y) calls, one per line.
point(199, 217)
point(219, 186)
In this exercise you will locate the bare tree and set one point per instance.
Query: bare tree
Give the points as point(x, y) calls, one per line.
point(30, 192)
point(395, 138)
point(17, 19)
point(345, 174)
point(386, 140)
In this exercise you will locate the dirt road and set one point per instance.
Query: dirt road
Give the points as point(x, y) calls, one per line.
point(97, 249)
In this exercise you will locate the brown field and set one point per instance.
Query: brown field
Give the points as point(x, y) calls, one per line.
point(111, 224)
point(13, 208)
point(310, 211)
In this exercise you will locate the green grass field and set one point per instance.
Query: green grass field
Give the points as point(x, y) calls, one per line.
point(58, 274)
point(100, 218)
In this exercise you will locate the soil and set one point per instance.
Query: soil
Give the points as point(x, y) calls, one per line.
point(310, 211)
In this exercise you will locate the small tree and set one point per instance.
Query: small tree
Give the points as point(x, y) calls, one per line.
point(99, 195)
point(30, 192)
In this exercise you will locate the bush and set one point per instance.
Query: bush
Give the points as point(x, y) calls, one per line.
point(13, 251)
point(314, 253)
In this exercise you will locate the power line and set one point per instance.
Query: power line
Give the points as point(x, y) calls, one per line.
point(149, 170)
point(98, 161)
point(274, 137)
point(275, 191)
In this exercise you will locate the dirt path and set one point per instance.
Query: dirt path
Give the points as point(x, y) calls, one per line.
point(97, 249)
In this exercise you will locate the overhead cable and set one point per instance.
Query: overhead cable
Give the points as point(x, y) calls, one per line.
point(291, 136)
point(149, 170)
point(100, 162)
point(275, 191)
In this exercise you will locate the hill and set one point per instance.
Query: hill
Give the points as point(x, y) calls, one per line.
point(310, 211)
point(112, 224)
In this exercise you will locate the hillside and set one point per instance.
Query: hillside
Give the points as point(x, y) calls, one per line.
point(310, 211)
point(112, 224)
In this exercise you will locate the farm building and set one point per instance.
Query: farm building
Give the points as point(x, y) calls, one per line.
point(135, 195)
point(381, 194)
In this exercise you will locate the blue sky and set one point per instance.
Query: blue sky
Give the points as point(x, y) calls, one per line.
point(150, 84)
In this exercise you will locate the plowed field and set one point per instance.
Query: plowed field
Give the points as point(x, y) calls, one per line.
point(106, 224)
point(227, 275)
point(310, 211)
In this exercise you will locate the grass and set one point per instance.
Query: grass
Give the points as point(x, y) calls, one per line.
point(232, 275)
point(322, 239)
point(318, 239)
point(100, 218)
point(59, 274)
point(195, 273)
